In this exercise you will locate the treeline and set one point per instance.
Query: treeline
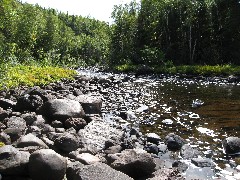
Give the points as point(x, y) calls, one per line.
point(177, 31)
point(31, 33)
point(154, 33)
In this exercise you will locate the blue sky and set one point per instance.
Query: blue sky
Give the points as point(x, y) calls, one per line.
point(98, 9)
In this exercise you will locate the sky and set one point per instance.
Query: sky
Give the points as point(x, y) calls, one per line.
point(98, 9)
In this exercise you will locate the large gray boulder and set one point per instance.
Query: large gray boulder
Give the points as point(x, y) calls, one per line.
point(47, 164)
point(90, 104)
point(231, 145)
point(30, 140)
point(135, 163)
point(61, 109)
point(97, 133)
point(94, 171)
point(12, 161)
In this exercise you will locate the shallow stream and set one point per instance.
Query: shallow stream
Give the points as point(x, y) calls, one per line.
point(203, 111)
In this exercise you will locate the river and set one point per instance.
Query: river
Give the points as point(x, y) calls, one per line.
point(201, 110)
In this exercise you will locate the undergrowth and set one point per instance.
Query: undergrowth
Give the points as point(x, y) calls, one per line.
point(30, 75)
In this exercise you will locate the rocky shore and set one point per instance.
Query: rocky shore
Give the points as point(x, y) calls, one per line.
point(60, 131)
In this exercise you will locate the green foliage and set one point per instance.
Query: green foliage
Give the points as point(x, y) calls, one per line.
point(30, 33)
point(32, 75)
point(189, 32)
point(2, 144)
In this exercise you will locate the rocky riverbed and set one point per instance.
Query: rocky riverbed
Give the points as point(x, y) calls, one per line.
point(88, 128)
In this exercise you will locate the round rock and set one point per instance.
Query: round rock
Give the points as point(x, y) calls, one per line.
point(47, 164)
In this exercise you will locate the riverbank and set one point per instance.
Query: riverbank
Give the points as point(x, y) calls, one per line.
point(191, 70)
point(64, 117)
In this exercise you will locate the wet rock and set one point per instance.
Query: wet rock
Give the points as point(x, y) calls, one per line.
point(181, 166)
point(151, 148)
point(30, 140)
point(167, 121)
point(153, 137)
point(29, 103)
point(7, 103)
point(231, 145)
point(47, 164)
point(61, 109)
point(67, 142)
point(87, 158)
point(174, 142)
point(96, 133)
point(16, 122)
point(134, 163)
point(187, 152)
point(12, 161)
point(96, 171)
point(202, 162)
point(90, 104)
point(162, 148)
point(76, 123)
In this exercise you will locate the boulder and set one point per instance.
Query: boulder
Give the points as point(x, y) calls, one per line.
point(90, 104)
point(187, 152)
point(95, 171)
point(29, 118)
point(12, 161)
point(47, 164)
point(67, 142)
point(5, 138)
point(174, 142)
point(87, 158)
point(28, 103)
point(202, 162)
point(62, 109)
point(231, 145)
point(14, 133)
point(132, 162)
point(30, 140)
point(153, 137)
point(16, 122)
point(76, 123)
point(96, 133)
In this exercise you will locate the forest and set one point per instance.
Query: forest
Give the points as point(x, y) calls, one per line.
point(153, 33)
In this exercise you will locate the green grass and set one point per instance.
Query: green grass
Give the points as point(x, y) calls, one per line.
point(31, 75)
point(205, 70)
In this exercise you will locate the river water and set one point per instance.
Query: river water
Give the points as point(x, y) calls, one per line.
point(203, 111)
